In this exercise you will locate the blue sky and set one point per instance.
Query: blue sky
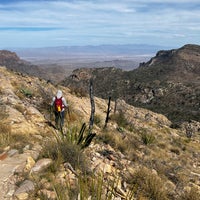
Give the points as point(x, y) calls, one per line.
point(42, 23)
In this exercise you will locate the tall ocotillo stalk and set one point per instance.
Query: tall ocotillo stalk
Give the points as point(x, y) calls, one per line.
point(108, 112)
point(92, 106)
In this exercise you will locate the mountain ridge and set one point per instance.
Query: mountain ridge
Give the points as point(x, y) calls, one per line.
point(166, 79)
point(171, 77)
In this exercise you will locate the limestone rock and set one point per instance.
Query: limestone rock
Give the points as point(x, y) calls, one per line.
point(29, 163)
point(24, 189)
point(41, 165)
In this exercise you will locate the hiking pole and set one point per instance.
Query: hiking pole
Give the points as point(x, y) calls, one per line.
point(50, 113)
point(60, 123)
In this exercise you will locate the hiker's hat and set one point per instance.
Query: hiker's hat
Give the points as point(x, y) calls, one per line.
point(59, 94)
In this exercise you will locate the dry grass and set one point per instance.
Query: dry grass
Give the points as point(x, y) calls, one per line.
point(191, 194)
point(19, 141)
point(5, 129)
point(114, 139)
point(20, 108)
point(62, 150)
point(120, 119)
point(5, 135)
point(148, 185)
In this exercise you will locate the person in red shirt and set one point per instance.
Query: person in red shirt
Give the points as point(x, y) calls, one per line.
point(59, 104)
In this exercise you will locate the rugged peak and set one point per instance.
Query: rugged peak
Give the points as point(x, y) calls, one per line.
point(192, 47)
point(187, 55)
point(162, 56)
point(190, 53)
point(8, 56)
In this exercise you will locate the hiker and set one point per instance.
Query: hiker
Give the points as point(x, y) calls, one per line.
point(189, 130)
point(59, 104)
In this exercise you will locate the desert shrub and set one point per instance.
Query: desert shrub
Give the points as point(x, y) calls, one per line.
point(192, 194)
point(5, 134)
point(147, 138)
point(44, 97)
point(120, 119)
point(175, 150)
point(114, 139)
point(5, 129)
point(71, 153)
point(65, 151)
point(50, 149)
point(97, 119)
point(62, 192)
point(148, 184)
point(78, 91)
point(99, 187)
point(26, 92)
point(82, 138)
point(70, 115)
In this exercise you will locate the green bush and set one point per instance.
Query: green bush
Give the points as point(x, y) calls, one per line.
point(147, 138)
point(26, 92)
point(97, 119)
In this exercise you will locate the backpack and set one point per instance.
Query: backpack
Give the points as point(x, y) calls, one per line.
point(58, 104)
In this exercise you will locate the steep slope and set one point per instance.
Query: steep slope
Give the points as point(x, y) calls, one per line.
point(12, 61)
point(168, 83)
point(138, 155)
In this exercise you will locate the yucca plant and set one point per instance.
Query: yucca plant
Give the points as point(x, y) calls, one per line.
point(85, 140)
point(147, 138)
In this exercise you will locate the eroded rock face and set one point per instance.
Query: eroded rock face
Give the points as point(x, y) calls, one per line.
point(7, 57)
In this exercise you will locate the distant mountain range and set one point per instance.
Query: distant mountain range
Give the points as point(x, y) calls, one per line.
point(67, 58)
point(168, 83)
point(88, 51)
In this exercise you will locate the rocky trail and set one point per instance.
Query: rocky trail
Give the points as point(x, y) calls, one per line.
point(10, 163)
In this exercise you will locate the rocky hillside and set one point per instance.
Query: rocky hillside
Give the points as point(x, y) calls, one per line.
point(168, 83)
point(12, 61)
point(137, 156)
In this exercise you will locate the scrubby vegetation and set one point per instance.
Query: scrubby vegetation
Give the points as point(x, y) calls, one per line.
point(167, 84)
point(137, 156)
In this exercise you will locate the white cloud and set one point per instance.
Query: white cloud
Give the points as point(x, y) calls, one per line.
point(101, 20)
